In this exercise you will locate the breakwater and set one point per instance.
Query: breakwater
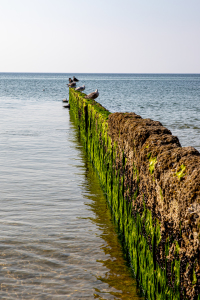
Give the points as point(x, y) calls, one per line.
point(153, 187)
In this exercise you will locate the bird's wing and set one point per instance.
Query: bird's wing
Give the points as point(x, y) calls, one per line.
point(90, 95)
point(72, 84)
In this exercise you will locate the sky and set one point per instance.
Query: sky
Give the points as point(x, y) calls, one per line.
point(100, 36)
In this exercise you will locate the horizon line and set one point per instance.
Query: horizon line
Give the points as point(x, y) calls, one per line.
point(152, 73)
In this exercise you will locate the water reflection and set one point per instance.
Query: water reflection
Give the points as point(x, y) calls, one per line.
point(118, 276)
point(56, 237)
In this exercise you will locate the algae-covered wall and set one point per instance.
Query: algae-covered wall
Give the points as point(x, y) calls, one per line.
point(153, 187)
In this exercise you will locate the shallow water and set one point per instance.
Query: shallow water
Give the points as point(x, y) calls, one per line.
point(57, 240)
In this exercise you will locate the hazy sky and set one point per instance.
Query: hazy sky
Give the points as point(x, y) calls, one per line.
point(111, 36)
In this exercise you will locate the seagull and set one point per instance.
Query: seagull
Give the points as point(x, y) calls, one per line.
point(93, 95)
point(66, 106)
point(72, 84)
point(70, 80)
point(80, 88)
point(75, 79)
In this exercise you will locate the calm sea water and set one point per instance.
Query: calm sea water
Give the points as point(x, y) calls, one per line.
point(172, 99)
point(57, 240)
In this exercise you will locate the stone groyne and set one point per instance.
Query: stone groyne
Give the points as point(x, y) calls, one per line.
point(153, 187)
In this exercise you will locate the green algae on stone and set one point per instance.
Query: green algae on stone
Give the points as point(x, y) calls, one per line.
point(180, 174)
point(152, 162)
point(140, 232)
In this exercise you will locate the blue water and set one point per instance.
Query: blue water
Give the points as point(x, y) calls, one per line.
point(56, 237)
point(173, 99)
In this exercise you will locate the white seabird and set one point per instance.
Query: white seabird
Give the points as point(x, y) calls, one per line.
point(80, 88)
point(93, 95)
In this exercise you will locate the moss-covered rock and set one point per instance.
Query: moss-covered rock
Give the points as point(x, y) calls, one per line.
point(153, 187)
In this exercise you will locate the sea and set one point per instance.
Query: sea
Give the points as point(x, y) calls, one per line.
point(57, 235)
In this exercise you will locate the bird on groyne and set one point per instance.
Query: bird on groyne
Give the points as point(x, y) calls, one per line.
point(80, 88)
point(93, 95)
point(66, 106)
point(75, 79)
point(70, 80)
point(72, 84)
